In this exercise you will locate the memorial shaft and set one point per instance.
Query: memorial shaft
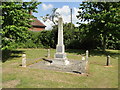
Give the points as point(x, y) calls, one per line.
point(60, 45)
point(60, 31)
point(60, 55)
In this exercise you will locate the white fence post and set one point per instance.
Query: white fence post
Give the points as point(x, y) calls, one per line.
point(48, 54)
point(108, 61)
point(24, 60)
point(87, 54)
point(83, 58)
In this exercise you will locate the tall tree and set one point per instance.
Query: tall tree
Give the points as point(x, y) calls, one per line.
point(16, 19)
point(103, 18)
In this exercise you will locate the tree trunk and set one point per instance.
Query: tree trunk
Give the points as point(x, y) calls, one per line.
point(104, 43)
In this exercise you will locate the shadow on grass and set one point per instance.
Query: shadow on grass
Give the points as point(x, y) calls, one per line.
point(94, 52)
point(9, 54)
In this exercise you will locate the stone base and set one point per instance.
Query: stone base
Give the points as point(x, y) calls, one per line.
point(60, 59)
point(60, 62)
point(60, 48)
point(60, 56)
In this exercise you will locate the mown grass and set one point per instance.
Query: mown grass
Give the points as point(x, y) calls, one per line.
point(98, 76)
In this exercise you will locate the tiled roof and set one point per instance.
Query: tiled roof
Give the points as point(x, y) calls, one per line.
point(36, 22)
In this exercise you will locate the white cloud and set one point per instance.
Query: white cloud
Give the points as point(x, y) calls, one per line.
point(46, 7)
point(65, 13)
point(65, 10)
point(75, 13)
point(48, 24)
point(75, 18)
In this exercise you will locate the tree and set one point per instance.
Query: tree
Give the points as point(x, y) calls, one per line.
point(16, 19)
point(103, 18)
point(51, 16)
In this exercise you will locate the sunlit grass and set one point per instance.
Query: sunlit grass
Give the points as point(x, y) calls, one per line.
point(98, 76)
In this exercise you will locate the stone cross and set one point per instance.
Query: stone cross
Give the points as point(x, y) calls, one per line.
point(24, 60)
point(87, 54)
point(108, 61)
point(48, 53)
point(60, 55)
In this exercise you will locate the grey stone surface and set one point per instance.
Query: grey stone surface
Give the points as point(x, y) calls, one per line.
point(58, 62)
point(75, 66)
point(60, 49)
point(60, 55)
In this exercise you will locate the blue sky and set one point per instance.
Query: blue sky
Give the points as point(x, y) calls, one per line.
point(42, 12)
point(63, 8)
point(55, 0)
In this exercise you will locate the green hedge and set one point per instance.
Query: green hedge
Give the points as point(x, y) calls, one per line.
point(76, 38)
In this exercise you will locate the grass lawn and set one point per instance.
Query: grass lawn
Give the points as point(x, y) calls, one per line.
point(15, 76)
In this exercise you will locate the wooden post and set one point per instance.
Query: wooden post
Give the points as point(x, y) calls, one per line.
point(108, 61)
point(87, 54)
point(48, 55)
point(24, 60)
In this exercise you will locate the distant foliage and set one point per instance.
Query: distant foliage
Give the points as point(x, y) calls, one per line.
point(102, 31)
point(104, 22)
point(75, 38)
point(15, 22)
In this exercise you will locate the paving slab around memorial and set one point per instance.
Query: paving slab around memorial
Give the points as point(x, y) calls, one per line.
point(75, 66)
